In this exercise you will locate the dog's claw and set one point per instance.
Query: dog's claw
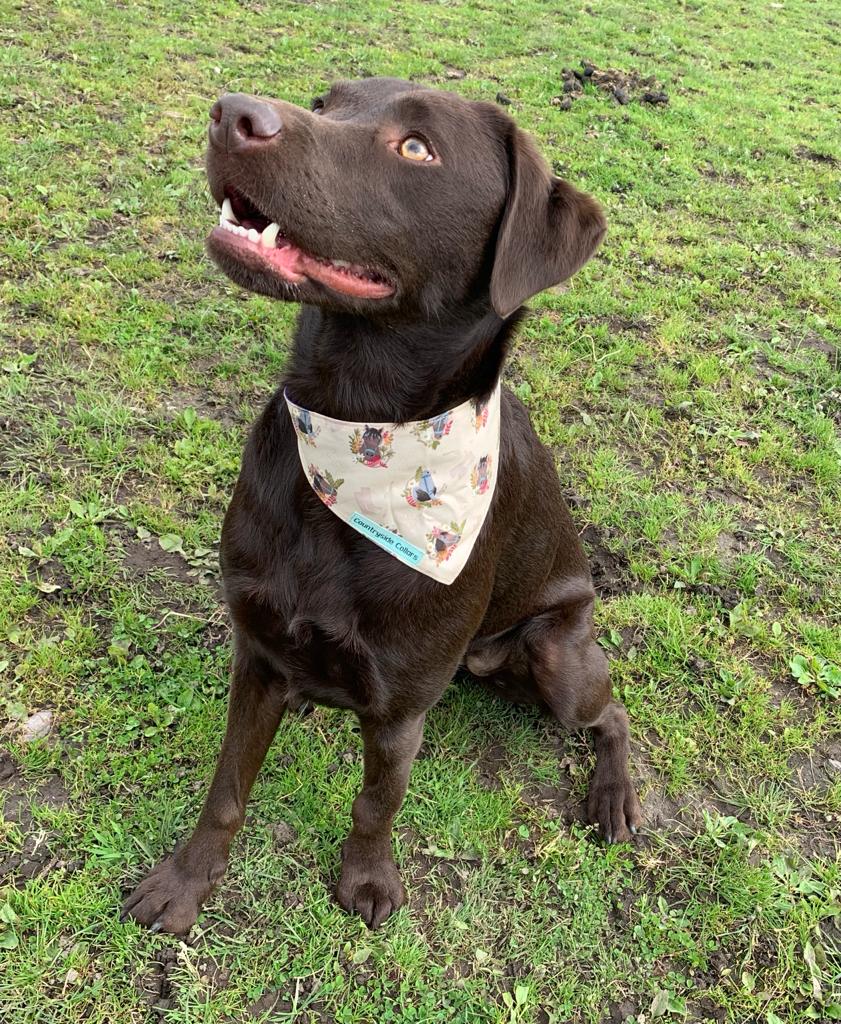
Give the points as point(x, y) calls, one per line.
point(156, 927)
point(634, 829)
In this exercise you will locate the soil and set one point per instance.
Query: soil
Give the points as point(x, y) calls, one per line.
point(155, 984)
point(805, 153)
point(142, 556)
point(279, 1003)
point(38, 851)
point(610, 570)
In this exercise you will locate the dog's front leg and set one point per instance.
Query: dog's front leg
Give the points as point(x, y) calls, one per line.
point(170, 896)
point(370, 883)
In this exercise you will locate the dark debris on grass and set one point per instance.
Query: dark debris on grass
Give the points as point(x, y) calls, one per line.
point(622, 86)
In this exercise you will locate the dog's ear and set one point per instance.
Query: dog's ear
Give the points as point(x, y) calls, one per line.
point(549, 229)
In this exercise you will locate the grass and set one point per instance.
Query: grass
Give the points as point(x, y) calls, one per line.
point(688, 381)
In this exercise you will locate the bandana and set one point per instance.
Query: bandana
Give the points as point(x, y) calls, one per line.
point(419, 490)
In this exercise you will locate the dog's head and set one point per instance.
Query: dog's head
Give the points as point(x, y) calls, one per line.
point(389, 197)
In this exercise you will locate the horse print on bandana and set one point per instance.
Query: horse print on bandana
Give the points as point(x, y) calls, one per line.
point(372, 446)
point(422, 489)
point(324, 485)
point(481, 414)
point(303, 425)
point(480, 477)
point(432, 432)
point(442, 543)
point(418, 491)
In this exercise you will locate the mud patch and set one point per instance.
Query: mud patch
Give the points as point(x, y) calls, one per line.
point(735, 179)
point(610, 570)
point(806, 153)
point(556, 801)
point(38, 850)
point(143, 556)
point(224, 409)
point(155, 986)
point(436, 879)
point(492, 759)
point(280, 1003)
point(816, 343)
point(820, 767)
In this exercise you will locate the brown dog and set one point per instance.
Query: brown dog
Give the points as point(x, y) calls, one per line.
point(412, 225)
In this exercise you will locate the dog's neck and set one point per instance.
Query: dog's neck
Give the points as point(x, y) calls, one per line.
point(357, 369)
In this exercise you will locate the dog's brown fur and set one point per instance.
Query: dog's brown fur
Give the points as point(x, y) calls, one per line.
point(321, 614)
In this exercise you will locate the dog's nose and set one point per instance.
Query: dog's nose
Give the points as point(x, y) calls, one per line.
point(239, 122)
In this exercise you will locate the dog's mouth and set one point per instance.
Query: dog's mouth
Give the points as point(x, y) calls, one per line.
point(249, 235)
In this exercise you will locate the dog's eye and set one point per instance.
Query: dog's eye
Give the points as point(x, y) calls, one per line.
point(414, 148)
point(317, 106)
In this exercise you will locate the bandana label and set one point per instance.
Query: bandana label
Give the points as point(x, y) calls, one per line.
point(420, 491)
point(391, 542)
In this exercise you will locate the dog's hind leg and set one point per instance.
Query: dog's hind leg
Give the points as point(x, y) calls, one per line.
point(370, 883)
point(171, 895)
point(554, 659)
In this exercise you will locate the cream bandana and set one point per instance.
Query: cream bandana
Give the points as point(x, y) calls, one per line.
point(419, 490)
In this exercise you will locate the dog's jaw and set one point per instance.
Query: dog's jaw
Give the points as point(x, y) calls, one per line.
point(247, 240)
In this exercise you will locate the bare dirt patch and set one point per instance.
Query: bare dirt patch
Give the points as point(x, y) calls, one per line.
point(279, 1004)
point(141, 557)
point(37, 852)
point(155, 985)
point(806, 153)
point(610, 570)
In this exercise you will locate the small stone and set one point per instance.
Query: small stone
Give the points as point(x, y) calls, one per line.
point(37, 726)
point(620, 95)
point(71, 977)
point(455, 73)
point(655, 98)
point(503, 99)
point(566, 103)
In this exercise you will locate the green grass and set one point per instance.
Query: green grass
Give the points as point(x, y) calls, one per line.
point(689, 383)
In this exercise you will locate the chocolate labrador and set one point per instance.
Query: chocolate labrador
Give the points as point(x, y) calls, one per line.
point(411, 225)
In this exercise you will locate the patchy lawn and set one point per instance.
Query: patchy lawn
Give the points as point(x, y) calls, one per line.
point(688, 381)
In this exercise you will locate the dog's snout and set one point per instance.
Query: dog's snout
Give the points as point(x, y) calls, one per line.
point(239, 122)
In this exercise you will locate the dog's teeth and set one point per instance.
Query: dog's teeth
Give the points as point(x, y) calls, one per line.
point(253, 235)
point(228, 212)
point(341, 264)
point(269, 235)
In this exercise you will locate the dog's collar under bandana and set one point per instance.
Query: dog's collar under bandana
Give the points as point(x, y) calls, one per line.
point(419, 490)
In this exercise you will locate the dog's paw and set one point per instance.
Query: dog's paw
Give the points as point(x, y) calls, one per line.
point(612, 804)
point(369, 885)
point(168, 899)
